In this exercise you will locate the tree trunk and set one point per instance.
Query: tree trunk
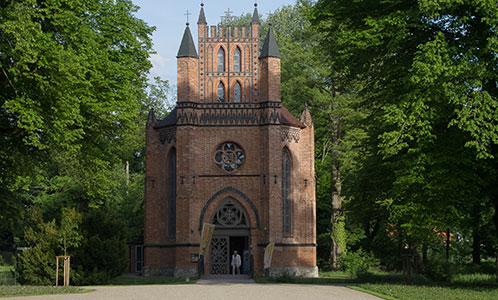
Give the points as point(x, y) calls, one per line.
point(495, 220)
point(424, 254)
point(476, 235)
point(336, 186)
point(335, 249)
point(447, 244)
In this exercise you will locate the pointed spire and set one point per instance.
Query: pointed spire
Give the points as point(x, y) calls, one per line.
point(255, 15)
point(306, 116)
point(151, 118)
point(270, 47)
point(202, 16)
point(187, 47)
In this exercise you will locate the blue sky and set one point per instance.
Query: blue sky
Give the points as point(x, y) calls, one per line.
point(169, 19)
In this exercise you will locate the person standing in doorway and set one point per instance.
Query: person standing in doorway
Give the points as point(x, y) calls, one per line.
point(236, 262)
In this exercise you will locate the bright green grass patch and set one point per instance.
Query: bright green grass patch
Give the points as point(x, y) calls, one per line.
point(25, 290)
point(429, 292)
point(325, 278)
point(123, 280)
point(6, 277)
point(334, 274)
point(473, 279)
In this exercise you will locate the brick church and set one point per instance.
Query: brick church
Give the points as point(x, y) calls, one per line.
point(230, 154)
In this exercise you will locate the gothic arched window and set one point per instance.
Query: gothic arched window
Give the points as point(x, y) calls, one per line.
point(221, 92)
point(230, 214)
point(286, 191)
point(221, 60)
point(236, 92)
point(172, 192)
point(236, 60)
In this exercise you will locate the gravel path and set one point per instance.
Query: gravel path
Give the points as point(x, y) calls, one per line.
point(215, 290)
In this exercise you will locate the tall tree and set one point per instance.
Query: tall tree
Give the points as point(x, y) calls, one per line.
point(429, 73)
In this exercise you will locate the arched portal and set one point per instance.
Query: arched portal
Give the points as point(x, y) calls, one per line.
point(231, 234)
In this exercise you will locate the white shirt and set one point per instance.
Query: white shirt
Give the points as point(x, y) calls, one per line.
point(236, 261)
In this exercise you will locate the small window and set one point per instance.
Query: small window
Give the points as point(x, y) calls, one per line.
point(236, 60)
point(221, 60)
point(221, 92)
point(236, 92)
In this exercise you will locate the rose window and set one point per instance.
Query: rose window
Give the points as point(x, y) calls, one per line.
point(229, 157)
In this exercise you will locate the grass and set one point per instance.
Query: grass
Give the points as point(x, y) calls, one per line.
point(9, 289)
point(6, 276)
point(325, 278)
point(395, 286)
point(125, 280)
point(428, 292)
point(26, 290)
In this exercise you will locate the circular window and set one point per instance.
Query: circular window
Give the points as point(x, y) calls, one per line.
point(229, 157)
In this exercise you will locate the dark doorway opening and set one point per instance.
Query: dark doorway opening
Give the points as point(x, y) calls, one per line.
point(241, 245)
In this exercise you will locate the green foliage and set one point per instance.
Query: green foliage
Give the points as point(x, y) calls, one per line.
point(36, 266)
point(425, 73)
point(74, 75)
point(473, 279)
point(439, 270)
point(339, 234)
point(69, 237)
point(358, 263)
point(102, 254)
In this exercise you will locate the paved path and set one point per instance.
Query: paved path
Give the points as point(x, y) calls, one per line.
point(214, 290)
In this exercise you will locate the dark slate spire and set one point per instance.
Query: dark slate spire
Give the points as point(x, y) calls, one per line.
point(270, 47)
point(255, 15)
point(202, 16)
point(187, 47)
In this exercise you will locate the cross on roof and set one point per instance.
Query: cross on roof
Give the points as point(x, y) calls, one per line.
point(187, 14)
point(228, 12)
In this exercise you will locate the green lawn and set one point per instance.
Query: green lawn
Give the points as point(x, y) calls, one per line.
point(428, 292)
point(123, 280)
point(6, 275)
point(325, 278)
point(394, 286)
point(25, 290)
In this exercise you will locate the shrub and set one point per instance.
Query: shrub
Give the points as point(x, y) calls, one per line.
point(102, 254)
point(358, 263)
point(440, 270)
point(2, 262)
point(36, 266)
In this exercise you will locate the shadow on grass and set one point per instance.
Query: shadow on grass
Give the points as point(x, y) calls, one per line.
point(379, 278)
point(136, 280)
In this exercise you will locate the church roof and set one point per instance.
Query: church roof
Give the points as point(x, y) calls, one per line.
point(202, 16)
point(270, 47)
point(255, 15)
point(170, 120)
point(187, 47)
point(286, 118)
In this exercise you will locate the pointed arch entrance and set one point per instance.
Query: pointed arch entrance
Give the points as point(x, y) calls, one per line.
point(232, 233)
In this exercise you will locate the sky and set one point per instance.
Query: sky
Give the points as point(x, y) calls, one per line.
point(169, 19)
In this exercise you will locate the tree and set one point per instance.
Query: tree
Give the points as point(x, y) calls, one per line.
point(429, 76)
point(72, 75)
point(69, 236)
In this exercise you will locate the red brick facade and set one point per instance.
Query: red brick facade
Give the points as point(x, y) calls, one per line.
point(189, 139)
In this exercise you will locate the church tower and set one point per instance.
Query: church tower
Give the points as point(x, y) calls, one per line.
point(231, 155)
